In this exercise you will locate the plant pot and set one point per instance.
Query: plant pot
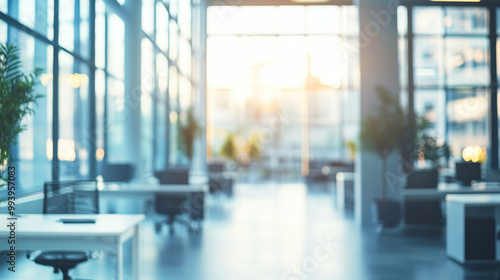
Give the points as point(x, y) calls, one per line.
point(386, 212)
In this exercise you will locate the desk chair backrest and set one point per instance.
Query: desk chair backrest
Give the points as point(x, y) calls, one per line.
point(118, 172)
point(216, 167)
point(172, 204)
point(173, 175)
point(77, 197)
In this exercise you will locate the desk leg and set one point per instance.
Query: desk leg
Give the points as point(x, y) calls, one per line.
point(136, 253)
point(119, 260)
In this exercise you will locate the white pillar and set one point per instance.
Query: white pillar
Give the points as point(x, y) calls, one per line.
point(132, 132)
point(199, 165)
point(378, 47)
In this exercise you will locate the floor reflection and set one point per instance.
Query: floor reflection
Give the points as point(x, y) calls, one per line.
point(278, 231)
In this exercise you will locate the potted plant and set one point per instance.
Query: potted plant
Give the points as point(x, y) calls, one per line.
point(188, 131)
point(253, 147)
point(426, 150)
point(16, 95)
point(229, 150)
point(381, 134)
point(429, 150)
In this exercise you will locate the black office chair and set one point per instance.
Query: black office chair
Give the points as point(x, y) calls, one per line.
point(118, 172)
point(171, 205)
point(423, 211)
point(219, 181)
point(68, 198)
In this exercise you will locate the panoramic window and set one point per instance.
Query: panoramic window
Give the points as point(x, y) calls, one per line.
point(452, 73)
point(287, 77)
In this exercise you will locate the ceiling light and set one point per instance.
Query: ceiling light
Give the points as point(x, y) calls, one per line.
point(310, 1)
point(456, 1)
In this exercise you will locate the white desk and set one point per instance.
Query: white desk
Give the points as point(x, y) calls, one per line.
point(109, 233)
point(143, 194)
point(476, 206)
point(444, 189)
point(414, 199)
point(136, 189)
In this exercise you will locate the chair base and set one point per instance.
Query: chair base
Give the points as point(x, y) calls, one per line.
point(194, 226)
point(61, 261)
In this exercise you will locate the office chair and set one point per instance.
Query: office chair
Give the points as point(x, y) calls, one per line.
point(118, 172)
point(418, 211)
point(171, 205)
point(219, 181)
point(67, 198)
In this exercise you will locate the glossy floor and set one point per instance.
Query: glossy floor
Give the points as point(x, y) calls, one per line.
point(277, 231)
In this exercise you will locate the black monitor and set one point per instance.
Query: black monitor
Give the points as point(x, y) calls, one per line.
point(466, 172)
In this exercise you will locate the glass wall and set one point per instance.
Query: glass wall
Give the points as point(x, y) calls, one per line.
point(85, 71)
point(287, 76)
point(30, 26)
point(34, 151)
point(166, 61)
point(109, 86)
point(452, 73)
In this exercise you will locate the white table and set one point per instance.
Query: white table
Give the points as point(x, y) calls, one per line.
point(143, 193)
point(135, 189)
point(412, 197)
point(109, 233)
point(444, 189)
point(142, 196)
point(459, 208)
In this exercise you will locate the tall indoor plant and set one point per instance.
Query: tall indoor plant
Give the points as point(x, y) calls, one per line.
point(381, 133)
point(16, 96)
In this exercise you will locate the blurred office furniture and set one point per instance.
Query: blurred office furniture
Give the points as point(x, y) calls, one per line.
point(421, 195)
point(108, 233)
point(67, 198)
point(444, 189)
point(491, 175)
point(472, 227)
point(426, 211)
point(118, 172)
point(345, 190)
point(423, 179)
point(466, 172)
point(220, 181)
point(324, 172)
point(140, 194)
point(174, 204)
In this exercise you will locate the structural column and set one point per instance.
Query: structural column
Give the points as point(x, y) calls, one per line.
point(132, 122)
point(378, 46)
point(200, 104)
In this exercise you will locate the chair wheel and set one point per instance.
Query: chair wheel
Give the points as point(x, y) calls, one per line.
point(157, 227)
